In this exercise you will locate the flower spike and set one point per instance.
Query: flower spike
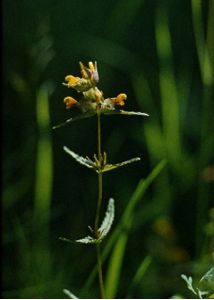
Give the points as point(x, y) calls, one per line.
point(93, 101)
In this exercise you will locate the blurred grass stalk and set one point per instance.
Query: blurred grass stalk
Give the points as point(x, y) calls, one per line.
point(168, 142)
point(168, 91)
point(125, 225)
point(43, 186)
point(205, 51)
point(44, 161)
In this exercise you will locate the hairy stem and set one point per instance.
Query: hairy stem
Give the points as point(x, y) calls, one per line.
point(99, 202)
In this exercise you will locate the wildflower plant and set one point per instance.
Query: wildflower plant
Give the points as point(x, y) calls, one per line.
point(93, 103)
point(204, 288)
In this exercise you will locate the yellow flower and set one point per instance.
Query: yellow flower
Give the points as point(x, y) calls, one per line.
point(83, 71)
point(89, 73)
point(92, 101)
point(119, 100)
point(71, 80)
point(70, 102)
point(88, 80)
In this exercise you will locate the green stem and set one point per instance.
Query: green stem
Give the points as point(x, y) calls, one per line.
point(100, 273)
point(99, 202)
point(100, 176)
point(99, 136)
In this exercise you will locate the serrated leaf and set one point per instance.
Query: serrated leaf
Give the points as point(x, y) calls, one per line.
point(87, 162)
point(104, 228)
point(108, 220)
point(87, 240)
point(77, 118)
point(69, 294)
point(110, 167)
point(189, 283)
point(124, 112)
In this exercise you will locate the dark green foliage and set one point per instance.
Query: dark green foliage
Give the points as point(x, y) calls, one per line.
point(160, 53)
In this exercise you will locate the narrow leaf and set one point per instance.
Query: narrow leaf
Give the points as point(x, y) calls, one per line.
point(104, 228)
point(108, 220)
point(206, 283)
point(209, 275)
point(69, 294)
point(77, 118)
point(110, 167)
point(80, 159)
point(124, 112)
point(65, 240)
point(87, 240)
point(115, 266)
point(140, 272)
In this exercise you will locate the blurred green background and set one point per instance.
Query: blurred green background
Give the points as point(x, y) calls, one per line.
point(161, 54)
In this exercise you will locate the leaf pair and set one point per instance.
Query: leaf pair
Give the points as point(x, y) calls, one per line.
point(87, 162)
point(205, 282)
point(93, 113)
point(103, 230)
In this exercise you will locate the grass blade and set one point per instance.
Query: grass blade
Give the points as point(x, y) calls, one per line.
point(140, 273)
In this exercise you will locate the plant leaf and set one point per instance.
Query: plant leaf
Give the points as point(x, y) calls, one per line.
point(91, 113)
point(87, 162)
point(176, 296)
point(189, 283)
point(69, 294)
point(124, 112)
point(108, 220)
point(206, 283)
point(87, 240)
point(77, 118)
point(110, 167)
point(127, 219)
point(141, 270)
point(202, 293)
point(65, 240)
point(103, 230)
point(209, 275)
